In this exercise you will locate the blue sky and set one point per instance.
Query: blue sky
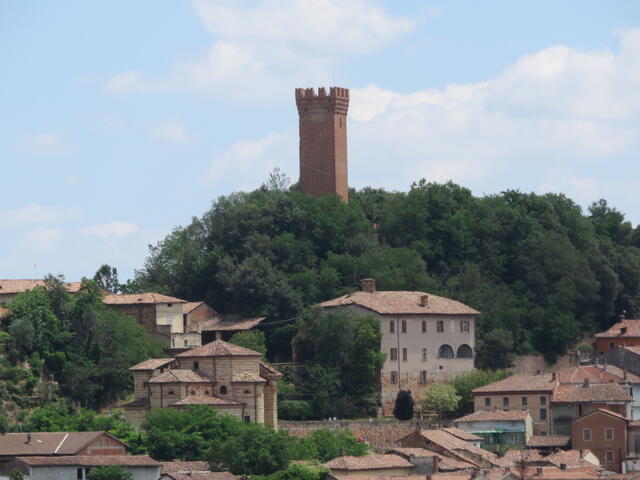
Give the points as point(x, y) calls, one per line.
point(121, 120)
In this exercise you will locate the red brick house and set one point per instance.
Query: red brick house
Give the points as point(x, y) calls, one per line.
point(625, 332)
point(605, 433)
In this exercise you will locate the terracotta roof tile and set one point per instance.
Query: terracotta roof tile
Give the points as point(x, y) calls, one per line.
point(180, 376)
point(205, 400)
point(457, 445)
point(266, 370)
point(202, 476)
point(536, 441)
point(152, 364)
point(598, 392)
point(368, 462)
point(447, 463)
point(248, 377)
point(494, 416)
point(458, 432)
point(603, 411)
point(219, 348)
point(413, 452)
point(139, 298)
point(570, 458)
point(191, 306)
point(528, 455)
point(595, 374)
point(91, 460)
point(46, 443)
point(19, 286)
point(519, 383)
point(631, 325)
point(402, 302)
point(219, 324)
point(183, 466)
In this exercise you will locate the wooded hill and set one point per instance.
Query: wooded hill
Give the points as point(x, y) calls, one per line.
point(541, 271)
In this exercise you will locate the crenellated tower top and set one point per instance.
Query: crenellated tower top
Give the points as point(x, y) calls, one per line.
point(307, 100)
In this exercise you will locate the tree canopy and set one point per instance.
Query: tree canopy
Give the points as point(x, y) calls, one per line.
point(541, 271)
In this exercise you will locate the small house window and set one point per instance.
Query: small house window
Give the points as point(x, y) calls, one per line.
point(196, 365)
point(543, 414)
point(440, 326)
point(612, 346)
point(394, 377)
point(424, 326)
point(608, 456)
point(193, 392)
point(586, 434)
point(423, 376)
point(525, 401)
point(464, 326)
point(247, 392)
point(79, 474)
point(424, 354)
point(543, 400)
point(404, 326)
point(608, 433)
point(171, 392)
point(169, 304)
point(392, 326)
point(487, 401)
point(223, 390)
point(505, 401)
point(206, 392)
point(247, 418)
point(394, 354)
point(404, 354)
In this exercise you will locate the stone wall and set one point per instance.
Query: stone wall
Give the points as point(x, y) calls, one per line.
point(533, 364)
point(380, 435)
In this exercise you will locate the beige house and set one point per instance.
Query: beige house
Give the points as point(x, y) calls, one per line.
point(230, 378)
point(162, 316)
point(425, 337)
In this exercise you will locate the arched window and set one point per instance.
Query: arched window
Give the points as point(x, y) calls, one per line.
point(223, 390)
point(247, 392)
point(171, 392)
point(445, 351)
point(464, 351)
point(193, 392)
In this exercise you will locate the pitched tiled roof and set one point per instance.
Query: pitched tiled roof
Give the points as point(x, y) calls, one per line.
point(139, 298)
point(598, 392)
point(219, 348)
point(205, 400)
point(19, 286)
point(180, 376)
point(201, 476)
point(633, 348)
point(413, 452)
point(526, 455)
point(152, 364)
point(458, 432)
point(266, 369)
point(247, 377)
point(190, 306)
point(447, 463)
point(402, 302)
point(570, 458)
point(183, 466)
point(595, 374)
point(220, 324)
point(91, 460)
point(368, 462)
point(537, 441)
point(46, 443)
point(632, 326)
point(556, 473)
point(602, 411)
point(454, 444)
point(494, 416)
point(519, 383)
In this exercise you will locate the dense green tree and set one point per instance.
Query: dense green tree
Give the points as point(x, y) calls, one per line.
point(107, 278)
point(495, 349)
point(403, 408)
point(325, 444)
point(439, 398)
point(251, 339)
point(109, 472)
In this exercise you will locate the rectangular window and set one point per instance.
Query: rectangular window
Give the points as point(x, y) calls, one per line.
point(404, 354)
point(247, 418)
point(543, 400)
point(196, 365)
point(608, 433)
point(608, 456)
point(464, 326)
point(543, 414)
point(394, 377)
point(392, 326)
point(440, 326)
point(525, 401)
point(424, 326)
point(424, 354)
point(394, 354)
point(404, 326)
point(586, 434)
point(79, 475)
point(505, 401)
point(423, 376)
point(487, 401)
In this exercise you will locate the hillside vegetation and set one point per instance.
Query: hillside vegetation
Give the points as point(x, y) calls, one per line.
point(541, 271)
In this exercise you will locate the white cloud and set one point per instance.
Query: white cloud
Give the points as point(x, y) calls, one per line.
point(569, 182)
point(45, 143)
point(262, 48)
point(250, 161)
point(36, 214)
point(115, 229)
point(41, 240)
point(171, 131)
point(557, 107)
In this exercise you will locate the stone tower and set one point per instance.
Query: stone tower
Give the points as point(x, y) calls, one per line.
point(323, 141)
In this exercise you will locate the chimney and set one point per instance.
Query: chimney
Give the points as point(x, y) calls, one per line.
point(28, 442)
point(622, 316)
point(368, 285)
point(586, 383)
point(554, 376)
point(424, 300)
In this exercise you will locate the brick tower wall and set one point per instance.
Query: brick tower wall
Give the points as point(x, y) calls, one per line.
point(323, 141)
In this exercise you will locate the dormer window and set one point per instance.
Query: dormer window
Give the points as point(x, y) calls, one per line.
point(623, 331)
